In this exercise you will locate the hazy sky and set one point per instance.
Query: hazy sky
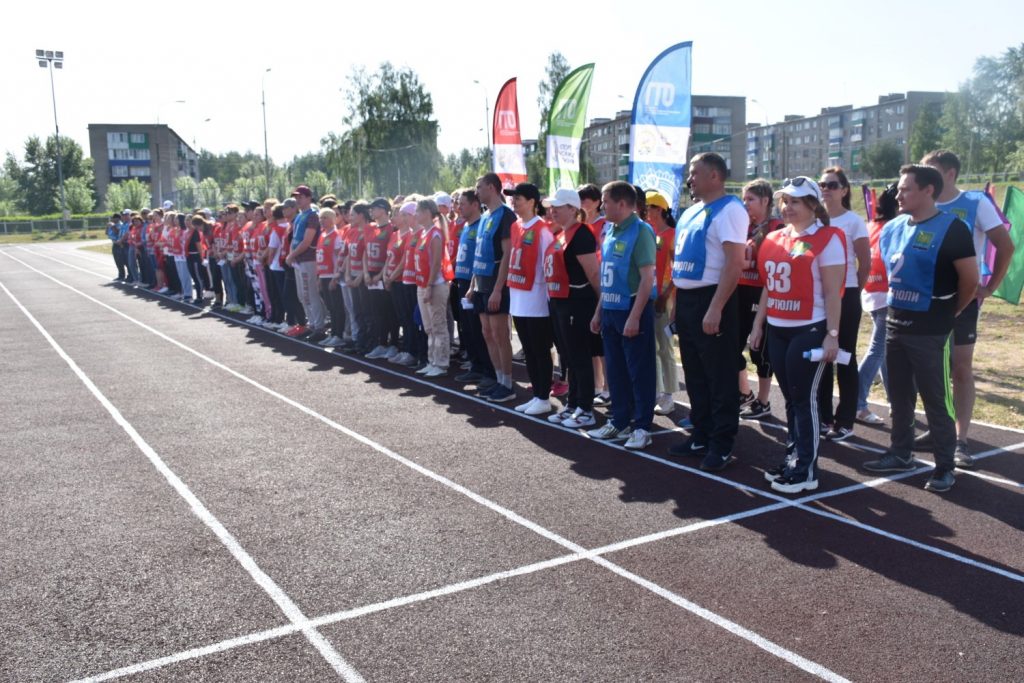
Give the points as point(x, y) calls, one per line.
point(128, 62)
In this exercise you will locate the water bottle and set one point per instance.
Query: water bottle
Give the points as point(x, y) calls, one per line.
point(815, 355)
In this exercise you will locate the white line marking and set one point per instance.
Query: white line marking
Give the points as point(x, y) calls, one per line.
point(755, 639)
point(436, 387)
point(284, 603)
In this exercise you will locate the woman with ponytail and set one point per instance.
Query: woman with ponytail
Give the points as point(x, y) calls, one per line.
point(802, 266)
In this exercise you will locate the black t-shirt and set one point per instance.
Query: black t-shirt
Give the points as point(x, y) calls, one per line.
point(582, 243)
point(193, 243)
point(485, 283)
point(938, 319)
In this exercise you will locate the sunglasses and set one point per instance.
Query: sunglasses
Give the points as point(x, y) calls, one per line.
point(795, 182)
point(830, 185)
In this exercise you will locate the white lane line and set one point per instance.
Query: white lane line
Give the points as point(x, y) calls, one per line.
point(720, 621)
point(284, 603)
point(798, 504)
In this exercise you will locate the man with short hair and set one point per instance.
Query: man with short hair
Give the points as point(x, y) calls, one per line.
point(710, 244)
point(930, 260)
point(116, 249)
point(481, 370)
point(977, 211)
point(624, 318)
point(302, 257)
point(490, 295)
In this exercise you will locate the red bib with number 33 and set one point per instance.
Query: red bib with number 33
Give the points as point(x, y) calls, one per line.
point(784, 262)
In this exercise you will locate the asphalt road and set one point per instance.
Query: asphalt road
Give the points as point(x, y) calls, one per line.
point(187, 498)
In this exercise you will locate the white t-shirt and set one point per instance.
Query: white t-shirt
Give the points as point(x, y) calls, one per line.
point(831, 255)
point(274, 245)
point(984, 220)
point(855, 229)
point(533, 303)
point(729, 225)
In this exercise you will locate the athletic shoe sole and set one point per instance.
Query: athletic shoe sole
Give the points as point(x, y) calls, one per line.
point(795, 488)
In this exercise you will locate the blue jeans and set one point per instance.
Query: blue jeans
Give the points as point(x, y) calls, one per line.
point(874, 360)
point(133, 263)
point(229, 283)
point(631, 367)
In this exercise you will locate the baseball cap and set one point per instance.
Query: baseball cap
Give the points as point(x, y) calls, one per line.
point(409, 208)
point(528, 190)
point(655, 198)
point(290, 203)
point(168, 204)
point(207, 213)
point(381, 203)
point(442, 199)
point(302, 190)
point(250, 204)
point(801, 186)
point(126, 212)
point(564, 196)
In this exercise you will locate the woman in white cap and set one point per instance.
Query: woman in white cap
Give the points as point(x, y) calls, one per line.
point(802, 266)
point(571, 272)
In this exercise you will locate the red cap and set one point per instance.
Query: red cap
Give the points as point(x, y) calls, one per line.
point(303, 190)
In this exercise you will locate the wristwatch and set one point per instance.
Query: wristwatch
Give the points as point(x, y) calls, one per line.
point(833, 333)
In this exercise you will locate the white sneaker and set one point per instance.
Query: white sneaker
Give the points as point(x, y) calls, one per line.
point(392, 352)
point(640, 438)
point(163, 290)
point(539, 406)
point(399, 358)
point(435, 371)
point(521, 408)
point(328, 341)
point(246, 310)
point(608, 431)
point(664, 405)
point(284, 327)
point(580, 420)
point(425, 369)
point(562, 415)
point(269, 325)
point(378, 352)
point(255, 320)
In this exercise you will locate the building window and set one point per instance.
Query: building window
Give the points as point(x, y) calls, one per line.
point(119, 171)
point(901, 109)
point(139, 171)
point(899, 125)
point(721, 129)
point(137, 138)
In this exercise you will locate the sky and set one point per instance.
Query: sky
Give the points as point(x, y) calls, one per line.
point(132, 62)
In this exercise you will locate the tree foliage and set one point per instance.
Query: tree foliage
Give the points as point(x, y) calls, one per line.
point(390, 141)
point(36, 177)
point(462, 169)
point(130, 194)
point(926, 133)
point(557, 69)
point(882, 160)
point(186, 192)
point(209, 194)
point(78, 195)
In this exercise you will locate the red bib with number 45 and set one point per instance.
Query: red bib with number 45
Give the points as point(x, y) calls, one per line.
point(784, 262)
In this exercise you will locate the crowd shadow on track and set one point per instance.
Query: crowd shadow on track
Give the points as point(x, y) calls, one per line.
point(800, 537)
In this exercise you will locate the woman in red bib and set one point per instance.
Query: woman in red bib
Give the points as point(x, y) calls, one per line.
point(433, 273)
point(571, 272)
point(802, 266)
point(528, 294)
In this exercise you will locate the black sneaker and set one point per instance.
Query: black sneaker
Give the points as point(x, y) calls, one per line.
point(755, 409)
point(501, 394)
point(714, 462)
point(940, 481)
point(789, 483)
point(779, 470)
point(602, 398)
point(688, 448)
point(924, 442)
point(824, 428)
point(469, 377)
point(962, 457)
point(890, 463)
point(747, 398)
point(839, 433)
point(686, 424)
point(486, 384)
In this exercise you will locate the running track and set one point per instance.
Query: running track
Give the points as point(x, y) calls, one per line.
point(187, 498)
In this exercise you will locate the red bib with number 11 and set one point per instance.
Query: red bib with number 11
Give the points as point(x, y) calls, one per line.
point(784, 262)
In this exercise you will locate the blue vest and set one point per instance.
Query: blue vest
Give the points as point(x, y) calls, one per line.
point(965, 207)
point(483, 256)
point(691, 238)
point(467, 250)
point(616, 254)
point(299, 229)
point(909, 253)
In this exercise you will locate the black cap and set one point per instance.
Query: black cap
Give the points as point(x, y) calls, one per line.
point(250, 204)
point(381, 203)
point(528, 190)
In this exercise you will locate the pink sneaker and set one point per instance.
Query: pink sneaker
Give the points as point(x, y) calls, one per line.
point(559, 388)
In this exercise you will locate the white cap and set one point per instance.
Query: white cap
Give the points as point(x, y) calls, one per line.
point(409, 209)
point(442, 199)
point(801, 186)
point(168, 204)
point(564, 196)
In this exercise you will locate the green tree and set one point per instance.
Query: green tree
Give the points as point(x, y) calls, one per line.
point(882, 160)
point(390, 143)
point(78, 195)
point(228, 167)
point(209, 194)
point(186, 191)
point(37, 177)
point(318, 182)
point(130, 194)
point(244, 190)
point(925, 134)
point(557, 69)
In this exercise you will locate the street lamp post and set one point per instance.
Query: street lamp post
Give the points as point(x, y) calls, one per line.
point(156, 144)
point(50, 59)
point(266, 153)
point(487, 114)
